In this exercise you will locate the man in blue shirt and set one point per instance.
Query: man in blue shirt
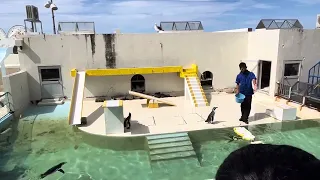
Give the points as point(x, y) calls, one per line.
point(244, 81)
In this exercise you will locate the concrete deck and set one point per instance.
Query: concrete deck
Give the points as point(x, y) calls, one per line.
point(184, 117)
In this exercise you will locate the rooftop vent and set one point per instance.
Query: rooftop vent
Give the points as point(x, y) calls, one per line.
point(279, 24)
point(182, 26)
point(32, 13)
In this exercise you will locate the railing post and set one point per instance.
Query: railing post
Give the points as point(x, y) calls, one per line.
point(290, 88)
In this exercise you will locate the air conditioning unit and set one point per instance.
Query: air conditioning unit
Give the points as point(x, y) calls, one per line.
point(32, 13)
point(318, 22)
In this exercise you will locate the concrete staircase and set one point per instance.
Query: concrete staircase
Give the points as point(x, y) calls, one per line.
point(195, 91)
point(170, 146)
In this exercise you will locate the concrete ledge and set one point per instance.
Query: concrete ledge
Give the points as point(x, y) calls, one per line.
point(50, 102)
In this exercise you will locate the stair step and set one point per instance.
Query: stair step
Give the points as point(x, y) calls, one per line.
point(198, 96)
point(195, 88)
point(171, 150)
point(170, 144)
point(196, 91)
point(168, 135)
point(202, 104)
point(192, 79)
point(167, 140)
point(201, 101)
point(185, 154)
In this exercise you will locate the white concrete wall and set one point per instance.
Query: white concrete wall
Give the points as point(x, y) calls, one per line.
point(17, 85)
point(119, 85)
point(12, 61)
point(219, 53)
point(263, 45)
point(299, 45)
point(9, 70)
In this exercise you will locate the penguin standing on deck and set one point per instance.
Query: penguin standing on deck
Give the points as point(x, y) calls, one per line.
point(210, 118)
point(126, 122)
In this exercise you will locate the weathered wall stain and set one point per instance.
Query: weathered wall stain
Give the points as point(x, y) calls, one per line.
point(86, 38)
point(93, 43)
point(110, 54)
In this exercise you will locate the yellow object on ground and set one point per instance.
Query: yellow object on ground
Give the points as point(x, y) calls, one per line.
point(151, 98)
point(132, 71)
point(75, 113)
point(244, 133)
point(141, 70)
point(193, 85)
point(153, 104)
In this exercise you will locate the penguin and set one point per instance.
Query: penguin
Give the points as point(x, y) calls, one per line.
point(126, 122)
point(53, 170)
point(157, 28)
point(210, 118)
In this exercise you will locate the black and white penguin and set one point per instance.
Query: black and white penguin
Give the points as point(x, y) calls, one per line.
point(53, 170)
point(126, 122)
point(210, 118)
point(157, 28)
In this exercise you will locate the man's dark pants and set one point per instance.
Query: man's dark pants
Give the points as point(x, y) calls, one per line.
point(245, 109)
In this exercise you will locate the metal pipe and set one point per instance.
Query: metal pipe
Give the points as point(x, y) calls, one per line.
point(53, 22)
point(53, 19)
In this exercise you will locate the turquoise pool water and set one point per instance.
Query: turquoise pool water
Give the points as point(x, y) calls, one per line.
point(44, 139)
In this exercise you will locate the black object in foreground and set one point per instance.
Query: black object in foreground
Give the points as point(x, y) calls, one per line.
point(127, 123)
point(53, 170)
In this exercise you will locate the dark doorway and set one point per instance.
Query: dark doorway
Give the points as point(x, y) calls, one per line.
point(206, 80)
point(265, 72)
point(138, 83)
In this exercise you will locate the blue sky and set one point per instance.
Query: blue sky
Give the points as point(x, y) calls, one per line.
point(132, 16)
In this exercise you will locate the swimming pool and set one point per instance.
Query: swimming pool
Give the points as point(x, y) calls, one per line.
point(45, 139)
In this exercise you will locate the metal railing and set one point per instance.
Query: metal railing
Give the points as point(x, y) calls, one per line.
point(181, 26)
point(76, 28)
point(303, 90)
point(314, 74)
point(6, 101)
point(284, 90)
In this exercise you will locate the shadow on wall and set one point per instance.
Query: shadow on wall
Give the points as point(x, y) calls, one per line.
point(38, 91)
point(107, 86)
point(94, 116)
point(30, 53)
point(34, 89)
point(137, 128)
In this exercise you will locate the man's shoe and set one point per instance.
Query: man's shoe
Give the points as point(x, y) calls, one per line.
point(247, 122)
